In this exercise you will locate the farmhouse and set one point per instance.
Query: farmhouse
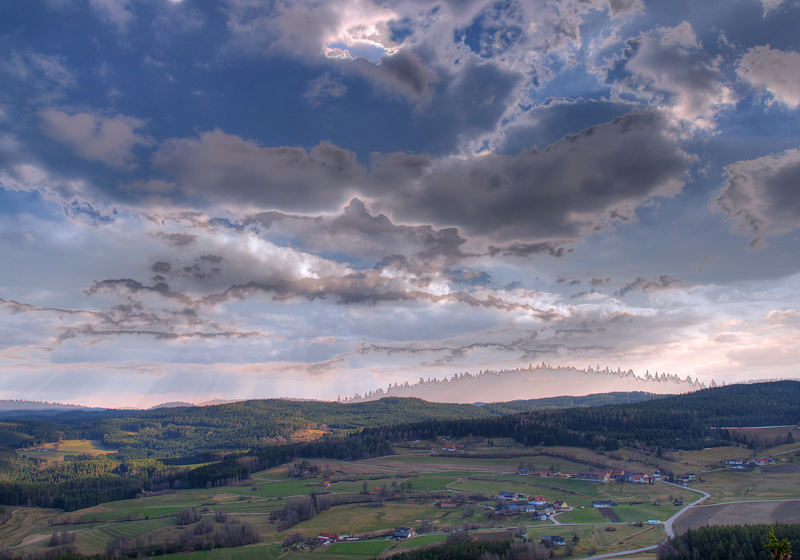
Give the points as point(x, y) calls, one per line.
point(733, 462)
point(553, 540)
point(560, 504)
point(508, 496)
point(523, 471)
point(328, 536)
point(403, 533)
point(638, 478)
point(538, 501)
point(510, 508)
point(594, 476)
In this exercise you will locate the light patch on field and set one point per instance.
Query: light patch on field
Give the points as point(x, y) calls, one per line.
point(55, 452)
point(309, 434)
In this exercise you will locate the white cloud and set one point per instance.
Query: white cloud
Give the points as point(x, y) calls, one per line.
point(116, 12)
point(773, 70)
point(669, 66)
point(95, 137)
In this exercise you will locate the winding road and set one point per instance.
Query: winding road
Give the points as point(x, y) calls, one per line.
point(667, 525)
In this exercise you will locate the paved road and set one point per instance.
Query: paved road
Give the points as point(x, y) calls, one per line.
point(668, 522)
point(667, 525)
point(781, 453)
point(623, 553)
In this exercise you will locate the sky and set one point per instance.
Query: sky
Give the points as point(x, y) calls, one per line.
point(301, 198)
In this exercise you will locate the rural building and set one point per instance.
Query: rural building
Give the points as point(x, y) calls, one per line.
point(403, 533)
point(733, 462)
point(594, 476)
point(508, 496)
point(510, 508)
point(538, 501)
point(553, 540)
point(603, 504)
point(523, 471)
point(638, 478)
point(560, 504)
point(329, 536)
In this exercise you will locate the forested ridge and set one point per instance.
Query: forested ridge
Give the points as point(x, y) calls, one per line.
point(199, 432)
point(743, 542)
point(678, 422)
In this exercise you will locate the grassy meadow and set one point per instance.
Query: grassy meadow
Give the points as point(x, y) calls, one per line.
point(471, 480)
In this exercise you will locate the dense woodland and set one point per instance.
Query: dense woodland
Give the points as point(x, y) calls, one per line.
point(745, 542)
point(689, 421)
point(201, 433)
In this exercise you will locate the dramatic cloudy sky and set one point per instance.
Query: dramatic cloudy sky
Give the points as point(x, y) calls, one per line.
point(244, 198)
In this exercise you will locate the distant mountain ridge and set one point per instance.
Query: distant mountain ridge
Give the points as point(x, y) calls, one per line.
point(533, 382)
point(21, 404)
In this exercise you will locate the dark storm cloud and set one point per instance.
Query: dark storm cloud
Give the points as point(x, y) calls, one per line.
point(533, 202)
point(528, 249)
point(222, 166)
point(161, 267)
point(403, 72)
point(361, 233)
point(569, 190)
point(649, 286)
point(177, 239)
point(762, 196)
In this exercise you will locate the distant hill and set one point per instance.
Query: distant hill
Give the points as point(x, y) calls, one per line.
point(534, 382)
point(688, 421)
point(172, 404)
point(13, 405)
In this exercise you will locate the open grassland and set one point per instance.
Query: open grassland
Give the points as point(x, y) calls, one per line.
point(55, 452)
point(25, 522)
point(768, 437)
point(764, 483)
point(422, 540)
point(358, 519)
point(267, 491)
point(252, 552)
point(697, 460)
point(93, 540)
point(598, 539)
point(743, 513)
point(369, 549)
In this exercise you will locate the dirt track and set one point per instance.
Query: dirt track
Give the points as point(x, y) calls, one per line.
point(741, 513)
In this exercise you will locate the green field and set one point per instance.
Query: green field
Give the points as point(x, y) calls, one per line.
point(253, 500)
point(362, 548)
point(357, 519)
point(253, 552)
